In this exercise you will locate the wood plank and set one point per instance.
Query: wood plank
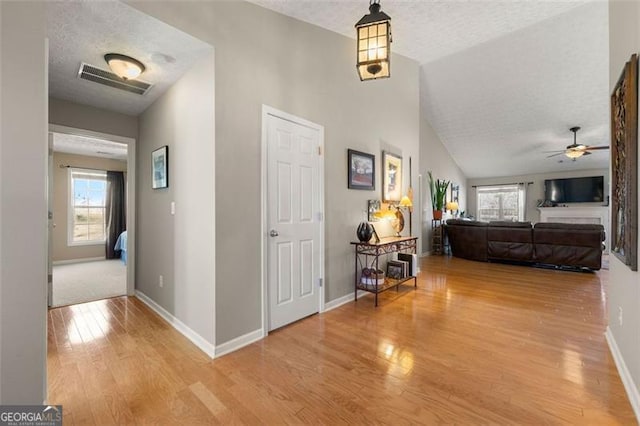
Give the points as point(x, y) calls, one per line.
point(474, 343)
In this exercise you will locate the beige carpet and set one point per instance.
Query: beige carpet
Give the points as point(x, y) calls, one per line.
point(87, 281)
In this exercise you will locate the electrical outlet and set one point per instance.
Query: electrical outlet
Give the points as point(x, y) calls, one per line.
point(161, 281)
point(620, 315)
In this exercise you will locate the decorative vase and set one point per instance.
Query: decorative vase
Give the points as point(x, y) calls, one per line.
point(364, 231)
point(437, 214)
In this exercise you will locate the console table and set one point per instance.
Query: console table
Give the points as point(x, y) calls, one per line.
point(367, 255)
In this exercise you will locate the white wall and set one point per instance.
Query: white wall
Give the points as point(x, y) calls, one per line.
point(266, 58)
point(23, 203)
point(535, 191)
point(434, 157)
point(180, 247)
point(624, 287)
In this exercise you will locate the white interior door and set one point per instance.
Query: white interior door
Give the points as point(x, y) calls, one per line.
point(293, 221)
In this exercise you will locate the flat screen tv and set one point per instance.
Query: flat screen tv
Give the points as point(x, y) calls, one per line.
point(575, 190)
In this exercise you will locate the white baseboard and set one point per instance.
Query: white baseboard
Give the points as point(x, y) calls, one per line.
point(238, 342)
point(83, 260)
point(342, 300)
point(629, 385)
point(425, 254)
point(187, 332)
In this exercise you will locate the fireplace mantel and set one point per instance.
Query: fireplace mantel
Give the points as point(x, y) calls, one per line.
point(578, 214)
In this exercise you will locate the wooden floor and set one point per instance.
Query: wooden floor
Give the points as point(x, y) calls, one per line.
point(476, 343)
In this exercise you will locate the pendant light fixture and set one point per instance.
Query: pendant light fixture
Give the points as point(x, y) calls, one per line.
point(373, 34)
point(124, 66)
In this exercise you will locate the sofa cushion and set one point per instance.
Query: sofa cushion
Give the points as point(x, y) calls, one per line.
point(568, 244)
point(569, 226)
point(463, 222)
point(509, 224)
point(511, 241)
point(467, 239)
point(583, 235)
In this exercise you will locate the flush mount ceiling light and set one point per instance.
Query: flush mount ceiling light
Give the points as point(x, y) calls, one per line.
point(373, 34)
point(124, 66)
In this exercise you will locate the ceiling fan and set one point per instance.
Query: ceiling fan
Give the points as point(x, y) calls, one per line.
point(575, 150)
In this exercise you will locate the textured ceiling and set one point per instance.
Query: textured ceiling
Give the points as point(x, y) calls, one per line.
point(89, 147)
point(500, 105)
point(84, 31)
point(426, 30)
point(501, 81)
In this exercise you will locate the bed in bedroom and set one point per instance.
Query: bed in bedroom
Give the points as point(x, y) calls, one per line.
point(121, 244)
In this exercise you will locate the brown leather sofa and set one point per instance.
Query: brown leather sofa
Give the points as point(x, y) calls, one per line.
point(467, 239)
point(577, 245)
point(559, 244)
point(510, 241)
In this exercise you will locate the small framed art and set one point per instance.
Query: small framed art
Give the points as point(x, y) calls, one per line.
point(160, 168)
point(362, 170)
point(391, 177)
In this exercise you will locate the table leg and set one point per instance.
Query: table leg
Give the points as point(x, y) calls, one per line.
point(355, 284)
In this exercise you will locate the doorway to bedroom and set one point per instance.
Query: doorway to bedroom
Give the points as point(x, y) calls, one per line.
point(89, 201)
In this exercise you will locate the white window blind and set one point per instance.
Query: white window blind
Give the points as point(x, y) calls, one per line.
point(87, 196)
point(500, 202)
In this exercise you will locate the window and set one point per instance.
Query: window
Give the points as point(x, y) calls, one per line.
point(504, 202)
point(87, 195)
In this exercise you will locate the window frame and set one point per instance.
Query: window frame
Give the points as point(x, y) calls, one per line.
point(502, 189)
point(71, 208)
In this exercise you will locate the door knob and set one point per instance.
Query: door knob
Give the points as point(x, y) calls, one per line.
point(274, 233)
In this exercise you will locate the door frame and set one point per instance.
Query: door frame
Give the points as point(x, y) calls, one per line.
point(131, 191)
point(266, 112)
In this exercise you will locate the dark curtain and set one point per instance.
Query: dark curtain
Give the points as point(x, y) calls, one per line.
point(115, 212)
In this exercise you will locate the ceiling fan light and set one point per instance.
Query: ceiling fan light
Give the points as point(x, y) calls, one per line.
point(574, 153)
point(124, 66)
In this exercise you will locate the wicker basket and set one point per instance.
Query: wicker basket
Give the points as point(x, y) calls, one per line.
point(371, 277)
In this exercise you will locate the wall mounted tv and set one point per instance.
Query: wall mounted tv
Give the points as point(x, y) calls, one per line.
point(575, 190)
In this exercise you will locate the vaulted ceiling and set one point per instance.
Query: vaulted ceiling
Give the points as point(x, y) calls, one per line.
point(501, 81)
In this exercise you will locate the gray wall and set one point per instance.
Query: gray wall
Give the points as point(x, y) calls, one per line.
point(535, 191)
point(434, 157)
point(23, 203)
point(181, 248)
point(624, 288)
point(266, 58)
point(71, 114)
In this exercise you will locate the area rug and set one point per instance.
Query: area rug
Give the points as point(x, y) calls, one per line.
point(87, 281)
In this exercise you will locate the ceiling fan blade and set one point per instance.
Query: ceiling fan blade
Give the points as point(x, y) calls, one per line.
point(555, 155)
point(593, 148)
point(586, 153)
point(557, 150)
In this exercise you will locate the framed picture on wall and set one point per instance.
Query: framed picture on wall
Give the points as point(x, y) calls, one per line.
point(362, 170)
point(160, 168)
point(455, 192)
point(624, 167)
point(391, 177)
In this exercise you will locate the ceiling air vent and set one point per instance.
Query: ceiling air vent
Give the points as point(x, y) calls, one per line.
point(91, 73)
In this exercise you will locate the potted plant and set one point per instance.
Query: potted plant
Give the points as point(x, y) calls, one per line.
point(438, 195)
